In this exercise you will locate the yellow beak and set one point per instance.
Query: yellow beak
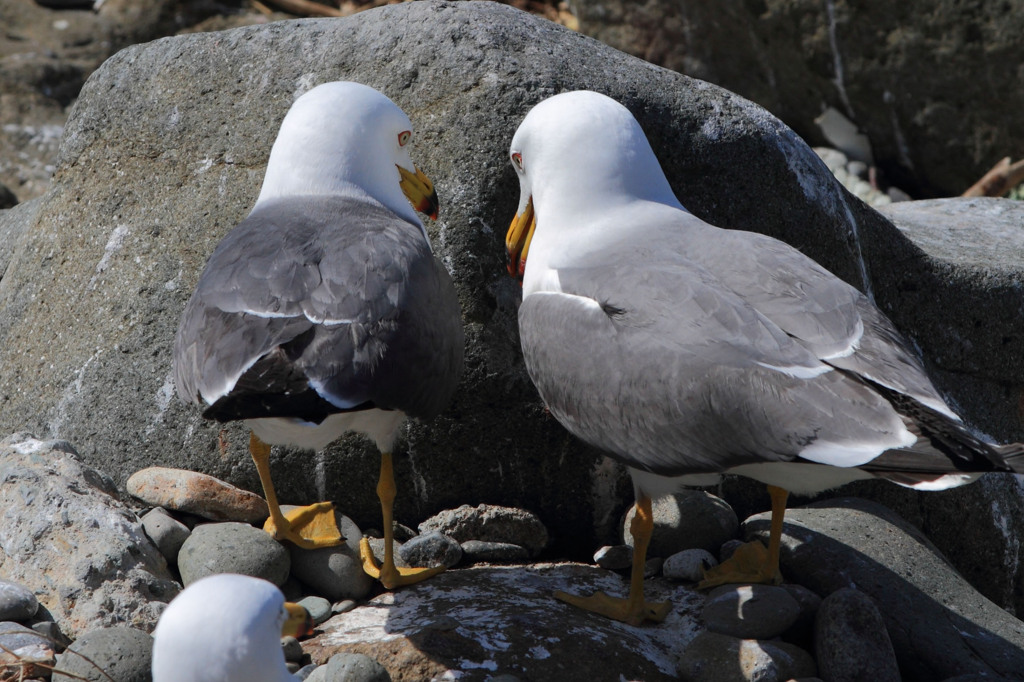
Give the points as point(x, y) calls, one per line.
point(419, 190)
point(299, 623)
point(517, 241)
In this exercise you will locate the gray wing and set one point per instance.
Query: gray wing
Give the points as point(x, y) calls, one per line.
point(829, 317)
point(318, 305)
point(654, 362)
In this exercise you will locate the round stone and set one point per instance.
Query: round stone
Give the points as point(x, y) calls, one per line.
point(688, 519)
point(750, 611)
point(851, 641)
point(166, 532)
point(431, 549)
point(346, 667)
point(614, 557)
point(713, 657)
point(17, 603)
point(688, 565)
point(319, 608)
point(123, 654)
point(292, 649)
point(232, 548)
point(335, 573)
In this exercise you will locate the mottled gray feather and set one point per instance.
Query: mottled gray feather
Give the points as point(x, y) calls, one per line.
point(379, 313)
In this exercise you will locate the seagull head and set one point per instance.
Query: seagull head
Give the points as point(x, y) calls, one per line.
point(578, 154)
point(344, 135)
point(226, 628)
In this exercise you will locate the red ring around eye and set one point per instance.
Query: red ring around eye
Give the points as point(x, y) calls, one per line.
point(403, 137)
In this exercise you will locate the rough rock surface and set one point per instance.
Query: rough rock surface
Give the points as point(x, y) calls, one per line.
point(851, 642)
point(490, 523)
point(932, 85)
point(66, 536)
point(164, 153)
point(713, 657)
point(121, 654)
point(521, 631)
point(939, 625)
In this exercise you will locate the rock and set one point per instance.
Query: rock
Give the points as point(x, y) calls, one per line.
point(335, 573)
point(750, 611)
point(123, 654)
point(52, 634)
point(17, 603)
point(232, 548)
point(16, 636)
point(377, 547)
point(318, 607)
point(802, 631)
point(27, 662)
point(166, 532)
point(493, 552)
point(689, 565)
point(13, 223)
point(939, 625)
point(490, 523)
point(47, 52)
point(350, 668)
point(437, 629)
point(132, 252)
point(344, 606)
point(65, 536)
point(615, 557)
point(712, 657)
point(851, 642)
point(686, 520)
point(292, 649)
point(431, 549)
point(195, 493)
point(135, 249)
point(796, 60)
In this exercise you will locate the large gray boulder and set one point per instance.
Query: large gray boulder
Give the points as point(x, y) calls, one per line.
point(65, 535)
point(931, 84)
point(165, 151)
point(939, 625)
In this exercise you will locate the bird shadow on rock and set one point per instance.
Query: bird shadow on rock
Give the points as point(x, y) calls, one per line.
point(940, 626)
point(485, 621)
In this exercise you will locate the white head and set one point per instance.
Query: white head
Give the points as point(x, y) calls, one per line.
point(225, 628)
point(579, 153)
point(342, 134)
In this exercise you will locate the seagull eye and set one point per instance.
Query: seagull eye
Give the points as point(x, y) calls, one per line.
point(517, 160)
point(403, 137)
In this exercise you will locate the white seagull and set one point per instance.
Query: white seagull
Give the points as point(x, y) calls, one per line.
point(325, 310)
point(226, 628)
point(686, 351)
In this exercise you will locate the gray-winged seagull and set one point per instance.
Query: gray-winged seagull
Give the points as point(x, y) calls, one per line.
point(325, 311)
point(687, 351)
point(226, 628)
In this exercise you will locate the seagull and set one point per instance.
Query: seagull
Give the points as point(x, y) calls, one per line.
point(325, 310)
point(226, 628)
point(687, 351)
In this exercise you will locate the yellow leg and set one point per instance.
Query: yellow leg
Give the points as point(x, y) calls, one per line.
point(752, 563)
point(308, 527)
point(633, 610)
point(390, 576)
